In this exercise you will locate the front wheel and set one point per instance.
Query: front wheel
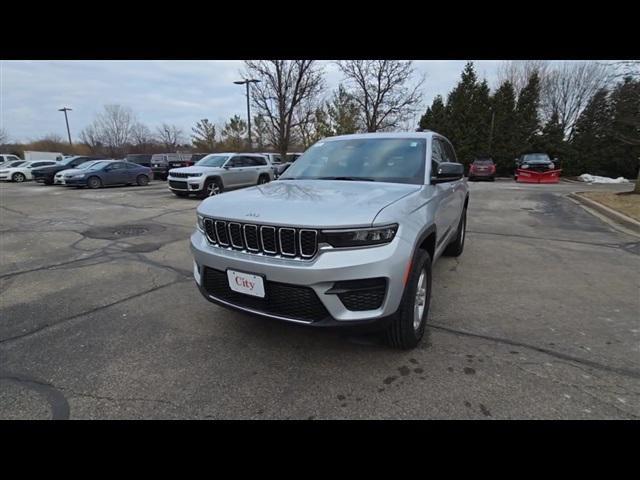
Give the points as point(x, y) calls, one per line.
point(409, 324)
point(94, 182)
point(142, 180)
point(212, 187)
point(18, 177)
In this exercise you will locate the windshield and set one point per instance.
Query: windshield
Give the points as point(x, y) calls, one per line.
point(86, 165)
point(95, 166)
point(212, 161)
point(395, 160)
point(14, 164)
point(537, 157)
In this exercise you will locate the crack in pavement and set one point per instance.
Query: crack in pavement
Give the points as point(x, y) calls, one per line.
point(625, 372)
point(56, 400)
point(618, 246)
point(74, 394)
point(85, 313)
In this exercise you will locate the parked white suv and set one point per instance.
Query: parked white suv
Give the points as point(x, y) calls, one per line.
point(217, 172)
point(4, 158)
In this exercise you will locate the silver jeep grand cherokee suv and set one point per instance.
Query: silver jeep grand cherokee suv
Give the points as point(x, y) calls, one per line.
point(216, 172)
point(346, 237)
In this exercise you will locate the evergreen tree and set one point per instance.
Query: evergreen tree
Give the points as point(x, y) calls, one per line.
point(468, 116)
point(591, 141)
point(204, 136)
point(503, 145)
point(234, 133)
point(527, 121)
point(435, 118)
point(551, 140)
point(624, 158)
point(342, 112)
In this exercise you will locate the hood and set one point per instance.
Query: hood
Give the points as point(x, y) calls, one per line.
point(307, 203)
point(195, 169)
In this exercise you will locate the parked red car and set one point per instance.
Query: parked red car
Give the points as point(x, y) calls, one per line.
point(482, 167)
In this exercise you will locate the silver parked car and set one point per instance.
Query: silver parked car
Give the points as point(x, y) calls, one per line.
point(217, 172)
point(346, 237)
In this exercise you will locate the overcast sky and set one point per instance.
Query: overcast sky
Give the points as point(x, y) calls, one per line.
point(175, 92)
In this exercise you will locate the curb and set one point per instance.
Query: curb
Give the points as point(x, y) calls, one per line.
point(613, 215)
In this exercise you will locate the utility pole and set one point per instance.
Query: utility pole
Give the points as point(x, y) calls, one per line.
point(246, 82)
point(493, 114)
point(65, 110)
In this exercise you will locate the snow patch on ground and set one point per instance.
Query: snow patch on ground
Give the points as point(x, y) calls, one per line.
point(585, 177)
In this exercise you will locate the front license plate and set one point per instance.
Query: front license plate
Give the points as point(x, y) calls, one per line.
point(246, 283)
point(175, 164)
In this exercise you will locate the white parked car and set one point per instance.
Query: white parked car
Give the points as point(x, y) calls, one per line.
point(6, 158)
point(22, 172)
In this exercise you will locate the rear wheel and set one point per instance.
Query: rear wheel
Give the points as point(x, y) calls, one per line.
point(94, 182)
point(407, 328)
point(18, 177)
point(142, 180)
point(48, 182)
point(454, 249)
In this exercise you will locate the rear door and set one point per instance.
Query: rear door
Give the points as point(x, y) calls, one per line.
point(242, 171)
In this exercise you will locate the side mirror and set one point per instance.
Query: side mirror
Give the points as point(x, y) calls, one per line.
point(447, 172)
point(227, 167)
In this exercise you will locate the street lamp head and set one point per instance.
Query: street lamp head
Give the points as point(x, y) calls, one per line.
point(249, 80)
point(240, 82)
point(64, 109)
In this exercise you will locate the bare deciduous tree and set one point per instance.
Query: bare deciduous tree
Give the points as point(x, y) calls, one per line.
point(567, 90)
point(518, 72)
point(111, 128)
point(170, 136)
point(384, 91)
point(4, 137)
point(284, 86)
point(141, 137)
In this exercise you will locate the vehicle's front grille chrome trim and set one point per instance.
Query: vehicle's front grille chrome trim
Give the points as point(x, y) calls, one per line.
point(271, 240)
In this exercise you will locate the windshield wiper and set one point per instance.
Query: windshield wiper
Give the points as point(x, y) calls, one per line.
point(354, 179)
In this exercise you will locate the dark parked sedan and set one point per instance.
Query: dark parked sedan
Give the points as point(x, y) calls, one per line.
point(109, 172)
point(46, 175)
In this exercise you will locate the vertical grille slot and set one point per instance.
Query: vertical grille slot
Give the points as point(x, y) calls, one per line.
point(308, 243)
point(251, 239)
point(287, 237)
point(268, 236)
point(221, 233)
point(235, 235)
point(210, 230)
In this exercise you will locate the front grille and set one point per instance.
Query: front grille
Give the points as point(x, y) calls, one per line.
point(179, 175)
point(359, 295)
point(266, 239)
point(178, 185)
point(281, 299)
point(539, 168)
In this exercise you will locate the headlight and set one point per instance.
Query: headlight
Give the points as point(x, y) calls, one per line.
point(200, 222)
point(195, 174)
point(360, 236)
point(551, 166)
point(524, 166)
point(77, 175)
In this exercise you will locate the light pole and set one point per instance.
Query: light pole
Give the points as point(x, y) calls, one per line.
point(65, 110)
point(247, 82)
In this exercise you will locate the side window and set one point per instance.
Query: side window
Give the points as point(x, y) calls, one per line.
point(451, 156)
point(234, 162)
point(436, 154)
point(118, 166)
point(131, 166)
point(260, 161)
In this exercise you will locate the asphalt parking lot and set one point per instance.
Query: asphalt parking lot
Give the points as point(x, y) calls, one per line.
point(100, 319)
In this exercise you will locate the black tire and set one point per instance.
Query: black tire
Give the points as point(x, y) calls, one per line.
point(142, 180)
point(470, 179)
point(48, 182)
point(455, 248)
point(403, 333)
point(262, 179)
point(212, 187)
point(94, 182)
point(181, 194)
point(18, 177)
point(493, 179)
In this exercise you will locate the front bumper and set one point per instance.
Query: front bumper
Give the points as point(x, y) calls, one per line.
point(188, 184)
point(75, 182)
point(320, 274)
